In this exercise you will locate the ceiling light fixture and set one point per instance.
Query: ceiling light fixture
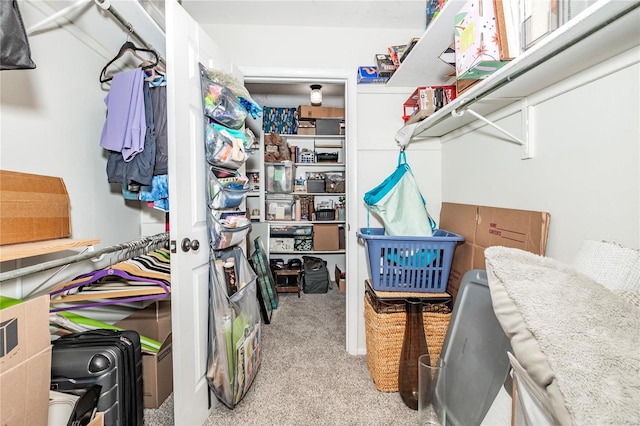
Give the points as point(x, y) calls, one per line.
point(316, 94)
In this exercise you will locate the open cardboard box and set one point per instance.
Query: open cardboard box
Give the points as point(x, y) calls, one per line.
point(25, 363)
point(154, 322)
point(483, 227)
point(33, 208)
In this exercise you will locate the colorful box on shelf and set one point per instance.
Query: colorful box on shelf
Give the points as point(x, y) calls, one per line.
point(368, 75)
point(427, 100)
point(477, 41)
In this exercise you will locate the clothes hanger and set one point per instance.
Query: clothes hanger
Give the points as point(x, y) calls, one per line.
point(109, 296)
point(128, 46)
point(155, 288)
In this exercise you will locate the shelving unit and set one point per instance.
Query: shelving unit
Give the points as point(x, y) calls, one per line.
point(604, 30)
point(334, 144)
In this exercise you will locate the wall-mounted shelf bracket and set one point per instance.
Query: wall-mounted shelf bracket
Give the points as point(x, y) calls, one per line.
point(527, 124)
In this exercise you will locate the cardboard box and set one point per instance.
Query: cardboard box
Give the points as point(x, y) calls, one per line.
point(306, 131)
point(25, 363)
point(369, 75)
point(308, 111)
point(154, 322)
point(325, 237)
point(483, 227)
point(341, 281)
point(464, 85)
point(476, 32)
point(33, 208)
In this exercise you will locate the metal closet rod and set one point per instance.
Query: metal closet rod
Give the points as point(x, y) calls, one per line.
point(147, 243)
point(106, 5)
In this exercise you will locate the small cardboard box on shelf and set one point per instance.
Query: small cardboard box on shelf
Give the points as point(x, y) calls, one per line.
point(308, 111)
point(325, 237)
point(34, 208)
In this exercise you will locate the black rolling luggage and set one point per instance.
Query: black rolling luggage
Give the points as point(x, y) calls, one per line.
point(109, 358)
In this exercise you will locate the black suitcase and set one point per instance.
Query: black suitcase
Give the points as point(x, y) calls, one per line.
point(109, 358)
point(315, 275)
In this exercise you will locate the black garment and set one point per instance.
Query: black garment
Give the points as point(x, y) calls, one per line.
point(159, 102)
point(139, 171)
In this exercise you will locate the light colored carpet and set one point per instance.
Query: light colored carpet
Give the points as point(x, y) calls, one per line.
point(306, 376)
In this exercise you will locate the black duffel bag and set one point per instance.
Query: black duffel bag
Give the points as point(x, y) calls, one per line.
point(315, 275)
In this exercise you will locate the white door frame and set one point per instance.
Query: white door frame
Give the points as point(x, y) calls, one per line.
point(348, 78)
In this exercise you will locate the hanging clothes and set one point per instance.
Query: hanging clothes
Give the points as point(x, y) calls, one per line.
point(138, 171)
point(125, 126)
point(159, 103)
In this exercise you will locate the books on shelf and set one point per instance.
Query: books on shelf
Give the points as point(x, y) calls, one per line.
point(408, 48)
point(385, 65)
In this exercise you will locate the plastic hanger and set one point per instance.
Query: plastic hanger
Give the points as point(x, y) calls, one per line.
point(132, 48)
point(116, 296)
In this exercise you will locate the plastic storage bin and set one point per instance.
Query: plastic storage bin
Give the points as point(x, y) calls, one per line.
point(279, 207)
point(280, 176)
point(405, 263)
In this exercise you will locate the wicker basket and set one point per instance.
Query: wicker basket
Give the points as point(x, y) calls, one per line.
point(385, 333)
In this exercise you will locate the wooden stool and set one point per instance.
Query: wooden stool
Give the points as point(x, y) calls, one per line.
point(286, 287)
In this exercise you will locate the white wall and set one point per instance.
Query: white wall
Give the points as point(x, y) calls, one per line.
point(586, 171)
point(379, 118)
point(306, 47)
point(51, 120)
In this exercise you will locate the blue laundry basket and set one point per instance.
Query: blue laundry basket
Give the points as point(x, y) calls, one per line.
point(409, 264)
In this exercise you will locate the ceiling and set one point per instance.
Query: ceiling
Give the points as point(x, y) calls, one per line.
point(310, 13)
point(378, 14)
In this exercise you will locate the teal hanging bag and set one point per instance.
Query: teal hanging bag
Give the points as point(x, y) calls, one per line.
point(399, 203)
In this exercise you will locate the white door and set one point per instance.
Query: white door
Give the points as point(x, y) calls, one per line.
point(187, 217)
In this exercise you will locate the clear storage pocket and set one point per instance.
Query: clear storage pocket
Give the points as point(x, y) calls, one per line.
point(228, 231)
point(220, 104)
point(235, 329)
point(227, 188)
point(224, 147)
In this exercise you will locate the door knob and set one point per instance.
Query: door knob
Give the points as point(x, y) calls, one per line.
point(187, 244)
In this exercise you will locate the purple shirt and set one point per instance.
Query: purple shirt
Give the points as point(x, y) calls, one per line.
point(124, 129)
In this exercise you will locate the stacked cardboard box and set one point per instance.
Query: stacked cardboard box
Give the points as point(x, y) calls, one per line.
point(25, 362)
point(154, 322)
point(483, 227)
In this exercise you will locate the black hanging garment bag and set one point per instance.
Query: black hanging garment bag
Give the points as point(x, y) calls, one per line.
point(109, 358)
point(315, 275)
